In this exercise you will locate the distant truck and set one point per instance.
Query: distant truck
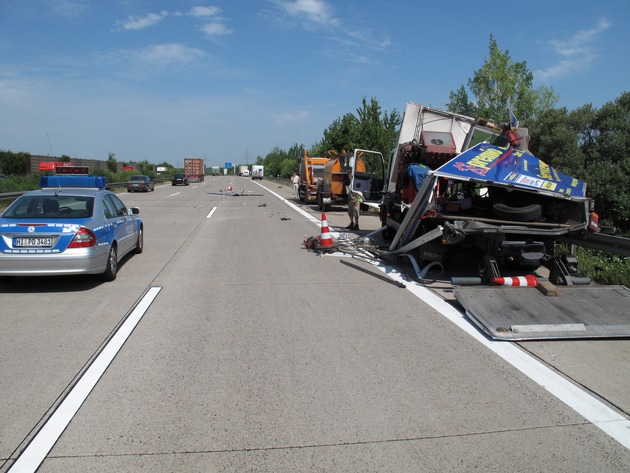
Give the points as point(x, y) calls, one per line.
point(215, 171)
point(361, 172)
point(311, 171)
point(194, 168)
point(243, 170)
point(258, 171)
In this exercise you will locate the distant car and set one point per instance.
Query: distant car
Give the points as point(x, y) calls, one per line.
point(140, 183)
point(179, 179)
point(73, 225)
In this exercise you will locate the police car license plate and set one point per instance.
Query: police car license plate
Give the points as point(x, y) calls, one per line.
point(32, 242)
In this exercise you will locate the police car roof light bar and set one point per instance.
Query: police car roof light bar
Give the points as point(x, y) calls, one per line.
point(73, 181)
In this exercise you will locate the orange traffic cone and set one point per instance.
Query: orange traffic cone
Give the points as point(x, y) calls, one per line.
point(529, 280)
point(325, 240)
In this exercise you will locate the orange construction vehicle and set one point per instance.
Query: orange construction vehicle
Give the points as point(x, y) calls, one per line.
point(311, 171)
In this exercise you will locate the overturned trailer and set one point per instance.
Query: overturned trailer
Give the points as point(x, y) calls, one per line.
point(486, 197)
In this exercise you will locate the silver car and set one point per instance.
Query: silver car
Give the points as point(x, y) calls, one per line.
point(73, 225)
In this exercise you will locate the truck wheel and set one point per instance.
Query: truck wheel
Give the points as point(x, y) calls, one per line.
point(517, 213)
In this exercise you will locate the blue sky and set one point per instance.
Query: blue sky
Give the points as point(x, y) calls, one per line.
point(230, 80)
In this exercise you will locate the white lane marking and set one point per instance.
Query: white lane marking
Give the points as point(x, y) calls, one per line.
point(175, 194)
point(42, 443)
point(211, 212)
point(592, 409)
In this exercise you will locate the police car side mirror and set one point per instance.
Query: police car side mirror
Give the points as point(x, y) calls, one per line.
point(134, 211)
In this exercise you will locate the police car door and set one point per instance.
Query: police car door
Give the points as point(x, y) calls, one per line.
point(124, 228)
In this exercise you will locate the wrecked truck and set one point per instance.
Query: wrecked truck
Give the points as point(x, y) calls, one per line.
point(483, 196)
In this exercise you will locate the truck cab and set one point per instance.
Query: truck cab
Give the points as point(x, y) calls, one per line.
point(310, 173)
point(258, 171)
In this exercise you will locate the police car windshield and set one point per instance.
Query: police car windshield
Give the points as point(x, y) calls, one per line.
point(51, 206)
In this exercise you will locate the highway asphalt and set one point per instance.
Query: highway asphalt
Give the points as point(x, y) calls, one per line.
point(227, 346)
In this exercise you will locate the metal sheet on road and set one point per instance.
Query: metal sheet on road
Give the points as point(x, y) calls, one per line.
point(525, 313)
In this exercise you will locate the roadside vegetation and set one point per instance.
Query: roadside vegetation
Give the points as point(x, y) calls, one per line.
point(587, 143)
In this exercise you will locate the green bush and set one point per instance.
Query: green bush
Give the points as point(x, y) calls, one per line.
point(604, 268)
point(13, 183)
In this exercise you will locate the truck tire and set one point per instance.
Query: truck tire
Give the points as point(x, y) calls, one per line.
point(517, 213)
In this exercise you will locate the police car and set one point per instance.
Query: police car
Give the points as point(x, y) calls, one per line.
point(72, 225)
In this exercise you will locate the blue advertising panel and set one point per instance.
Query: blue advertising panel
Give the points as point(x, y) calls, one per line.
point(511, 167)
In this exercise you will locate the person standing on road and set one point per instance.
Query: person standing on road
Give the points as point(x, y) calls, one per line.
point(295, 180)
point(354, 204)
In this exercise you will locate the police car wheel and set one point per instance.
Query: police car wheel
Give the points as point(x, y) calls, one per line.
point(140, 242)
point(112, 265)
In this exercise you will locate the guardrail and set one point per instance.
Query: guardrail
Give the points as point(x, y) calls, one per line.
point(10, 195)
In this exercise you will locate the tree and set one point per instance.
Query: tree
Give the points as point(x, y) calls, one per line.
point(557, 135)
point(592, 145)
point(501, 84)
point(145, 167)
point(15, 164)
point(607, 161)
point(339, 135)
point(112, 164)
point(294, 155)
point(371, 128)
point(376, 130)
point(273, 161)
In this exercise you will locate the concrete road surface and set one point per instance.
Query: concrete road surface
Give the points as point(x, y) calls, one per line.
point(242, 351)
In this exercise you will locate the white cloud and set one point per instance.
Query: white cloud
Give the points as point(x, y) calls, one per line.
point(204, 11)
point(291, 118)
point(158, 55)
point(577, 52)
point(139, 23)
point(342, 39)
point(371, 40)
point(215, 28)
point(312, 11)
